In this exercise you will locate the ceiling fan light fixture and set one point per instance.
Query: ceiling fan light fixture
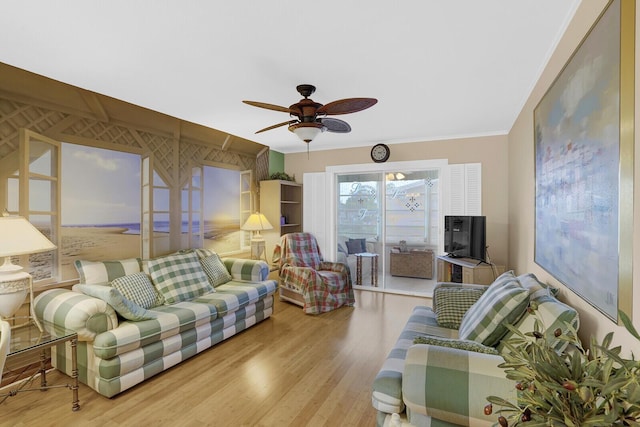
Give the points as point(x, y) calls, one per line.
point(307, 131)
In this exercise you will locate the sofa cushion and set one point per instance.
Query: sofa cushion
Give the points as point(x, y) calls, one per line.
point(455, 343)
point(168, 321)
point(387, 386)
point(235, 295)
point(176, 319)
point(103, 272)
point(215, 270)
point(451, 304)
point(503, 302)
point(137, 287)
point(179, 277)
point(125, 308)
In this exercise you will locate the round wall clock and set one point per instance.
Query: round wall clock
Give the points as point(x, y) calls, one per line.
point(380, 153)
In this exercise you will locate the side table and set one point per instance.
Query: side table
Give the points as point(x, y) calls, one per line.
point(374, 268)
point(28, 338)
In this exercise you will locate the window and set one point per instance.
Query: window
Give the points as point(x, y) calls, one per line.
point(100, 207)
point(84, 199)
point(100, 204)
point(226, 205)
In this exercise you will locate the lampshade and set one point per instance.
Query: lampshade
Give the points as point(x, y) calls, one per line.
point(306, 131)
point(19, 237)
point(257, 222)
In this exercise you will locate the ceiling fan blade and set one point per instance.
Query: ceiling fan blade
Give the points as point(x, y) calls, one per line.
point(335, 125)
point(270, 106)
point(346, 106)
point(288, 122)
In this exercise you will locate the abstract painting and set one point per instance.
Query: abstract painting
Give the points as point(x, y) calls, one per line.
point(581, 170)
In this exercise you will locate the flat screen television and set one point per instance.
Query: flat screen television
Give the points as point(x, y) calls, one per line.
point(465, 236)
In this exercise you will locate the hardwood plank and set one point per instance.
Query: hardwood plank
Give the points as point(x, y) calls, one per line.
point(290, 370)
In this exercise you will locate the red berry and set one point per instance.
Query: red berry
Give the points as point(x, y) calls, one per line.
point(569, 385)
point(557, 332)
point(503, 421)
point(488, 409)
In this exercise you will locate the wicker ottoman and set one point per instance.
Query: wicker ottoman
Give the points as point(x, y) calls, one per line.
point(416, 263)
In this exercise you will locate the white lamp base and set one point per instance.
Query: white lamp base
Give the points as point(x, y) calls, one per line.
point(14, 287)
point(258, 248)
point(13, 291)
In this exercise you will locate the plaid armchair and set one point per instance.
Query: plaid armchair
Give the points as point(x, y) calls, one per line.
point(305, 279)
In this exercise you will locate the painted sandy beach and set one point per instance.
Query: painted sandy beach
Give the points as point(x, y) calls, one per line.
point(113, 243)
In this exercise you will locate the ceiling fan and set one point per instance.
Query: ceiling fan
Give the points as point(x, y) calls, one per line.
point(310, 117)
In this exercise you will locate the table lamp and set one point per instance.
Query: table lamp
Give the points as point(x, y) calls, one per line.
point(18, 237)
point(257, 222)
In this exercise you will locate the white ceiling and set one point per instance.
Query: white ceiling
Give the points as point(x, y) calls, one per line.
point(439, 68)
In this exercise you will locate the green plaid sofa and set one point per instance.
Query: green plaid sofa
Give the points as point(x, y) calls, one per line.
point(114, 354)
point(439, 379)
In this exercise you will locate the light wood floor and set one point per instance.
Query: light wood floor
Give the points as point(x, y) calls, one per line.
point(290, 370)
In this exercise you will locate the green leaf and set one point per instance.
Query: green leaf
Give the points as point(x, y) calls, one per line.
point(626, 321)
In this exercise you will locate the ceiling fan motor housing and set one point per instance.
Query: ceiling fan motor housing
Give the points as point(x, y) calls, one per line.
point(307, 109)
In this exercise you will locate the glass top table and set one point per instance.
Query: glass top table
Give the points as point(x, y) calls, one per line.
point(29, 338)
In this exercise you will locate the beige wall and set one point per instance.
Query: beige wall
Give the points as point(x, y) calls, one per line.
point(522, 190)
point(491, 151)
point(508, 179)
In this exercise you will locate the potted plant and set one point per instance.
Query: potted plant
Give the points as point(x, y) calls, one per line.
point(282, 176)
point(578, 387)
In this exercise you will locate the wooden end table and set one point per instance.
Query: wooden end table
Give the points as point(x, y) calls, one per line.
point(28, 338)
point(374, 268)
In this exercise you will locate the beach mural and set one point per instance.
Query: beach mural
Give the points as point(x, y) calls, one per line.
point(100, 205)
point(101, 209)
point(222, 232)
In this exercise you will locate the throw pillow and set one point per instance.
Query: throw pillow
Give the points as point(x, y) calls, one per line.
point(125, 308)
point(507, 276)
point(204, 253)
point(536, 287)
point(451, 304)
point(179, 277)
point(553, 314)
point(363, 244)
point(215, 270)
point(502, 303)
point(137, 288)
point(103, 272)
point(352, 247)
point(454, 343)
point(356, 246)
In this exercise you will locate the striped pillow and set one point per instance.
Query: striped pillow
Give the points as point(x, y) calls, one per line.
point(125, 308)
point(553, 314)
point(215, 270)
point(451, 304)
point(502, 303)
point(137, 288)
point(179, 277)
point(103, 272)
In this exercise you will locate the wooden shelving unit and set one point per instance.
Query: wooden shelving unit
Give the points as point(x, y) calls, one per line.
point(280, 199)
point(465, 270)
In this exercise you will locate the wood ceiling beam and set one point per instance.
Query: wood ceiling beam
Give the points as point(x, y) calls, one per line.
point(227, 143)
point(94, 104)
